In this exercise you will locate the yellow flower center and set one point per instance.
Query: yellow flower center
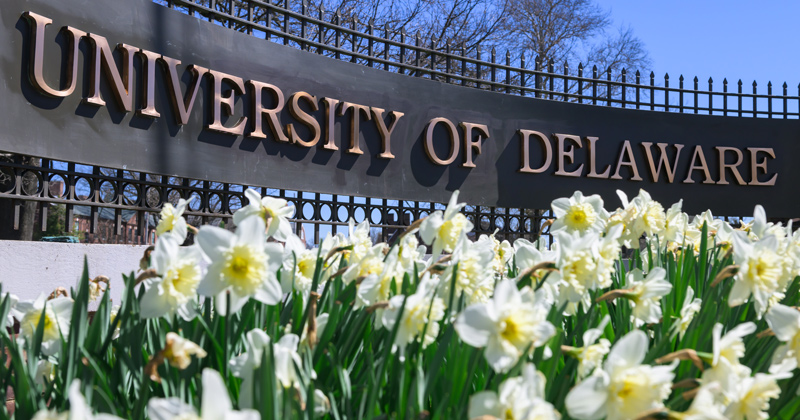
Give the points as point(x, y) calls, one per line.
point(765, 270)
point(31, 321)
point(245, 268)
point(580, 216)
point(181, 281)
point(167, 220)
point(451, 230)
point(516, 327)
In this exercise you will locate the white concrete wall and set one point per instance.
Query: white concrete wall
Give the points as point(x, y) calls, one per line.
point(30, 268)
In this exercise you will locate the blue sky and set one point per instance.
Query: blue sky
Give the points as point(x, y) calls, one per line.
point(748, 40)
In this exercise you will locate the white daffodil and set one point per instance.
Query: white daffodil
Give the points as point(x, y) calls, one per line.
point(503, 252)
point(242, 264)
point(443, 230)
point(274, 212)
point(45, 372)
point(785, 323)
point(760, 272)
point(526, 257)
point(12, 303)
point(608, 249)
point(179, 351)
point(577, 263)
point(358, 237)
point(113, 312)
point(691, 306)
point(370, 263)
point(645, 294)
point(579, 214)
point(520, 398)
point(676, 224)
point(175, 290)
point(624, 388)
point(78, 408)
point(508, 324)
point(422, 312)
point(474, 277)
point(55, 315)
point(215, 404)
point(410, 253)
point(299, 266)
point(171, 220)
point(285, 356)
point(751, 395)
point(726, 370)
point(704, 405)
point(590, 356)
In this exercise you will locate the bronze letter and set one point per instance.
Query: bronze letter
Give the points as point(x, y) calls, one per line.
point(35, 72)
point(182, 104)
point(631, 162)
point(452, 135)
point(592, 157)
point(386, 133)
point(526, 163)
point(567, 154)
point(330, 108)
point(354, 124)
point(227, 102)
point(149, 84)
point(272, 114)
point(471, 145)
point(698, 154)
point(663, 162)
point(755, 165)
point(103, 58)
point(304, 117)
point(722, 165)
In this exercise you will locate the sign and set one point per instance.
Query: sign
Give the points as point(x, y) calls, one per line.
point(135, 85)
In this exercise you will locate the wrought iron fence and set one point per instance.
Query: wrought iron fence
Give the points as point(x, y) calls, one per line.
point(127, 201)
point(296, 24)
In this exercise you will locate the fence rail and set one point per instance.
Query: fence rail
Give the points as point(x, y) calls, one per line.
point(297, 24)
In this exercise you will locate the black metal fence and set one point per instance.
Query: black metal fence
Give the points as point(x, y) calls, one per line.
point(111, 197)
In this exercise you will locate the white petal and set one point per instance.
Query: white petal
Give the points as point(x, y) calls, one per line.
point(587, 401)
point(216, 403)
point(212, 284)
point(629, 350)
point(784, 321)
point(214, 241)
point(474, 325)
point(155, 302)
point(269, 292)
point(167, 408)
point(485, 403)
point(251, 232)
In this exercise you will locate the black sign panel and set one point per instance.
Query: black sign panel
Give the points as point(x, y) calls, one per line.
point(344, 128)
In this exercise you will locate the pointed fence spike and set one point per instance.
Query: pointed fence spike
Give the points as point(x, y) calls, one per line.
point(754, 83)
point(785, 85)
point(680, 78)
point(637, 73)
point(696, 79)
point(710, 80)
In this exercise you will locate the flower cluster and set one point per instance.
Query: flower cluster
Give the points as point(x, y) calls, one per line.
point(609, 317)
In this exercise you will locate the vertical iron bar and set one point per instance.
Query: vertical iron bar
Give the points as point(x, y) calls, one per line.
point(725, 96)
point(696, 88)
point(386, 47)
point(463, 66)
point(371, 43)
point(249, 18)
point(565, 80)
point(268, 18)
point(624, 75)
point(321, 31)
point(338, 41)
point(447, 69)
point(286, 19)
point(580, 83)
point(417, 45)
point(755, 99)
point(433, 59)
point(493, 69)
point(652, 91)
point(769, 99)
point(608, 86)
point(551, 80)
point(478, 67)
point(508, 72)
point(353, 40)
point(666, 92)
point(537, 66)
point(594, 85)
point(710, 96)
point(638, 88)
point(740, 97)
point(522, 74)
point(401, 68)
point(303, 24)
point(785, 93)
point(680, 94)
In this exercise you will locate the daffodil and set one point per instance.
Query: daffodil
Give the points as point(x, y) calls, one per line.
point(645, 294)
point(242, 264)
point(179, 274)
point(519, 398)
point(179, 351)
point(299, 266)
point(704, 405)
point(590, 355)
point(760, 273)
point(274, 212)
point(503, 252)
point(215, 404)
point(286, 361)
point(474, 275)
point(785, 323)
point(579, 214)
point(624, 388)
point(171, 220)
point(443, 230)
point(578, 266)
point(675, 224)
point(55, 316)
point(750, 396)
point(358, 238)
point(727, 350)
point(508, 324)
point(421, 313)
point(691, 306)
